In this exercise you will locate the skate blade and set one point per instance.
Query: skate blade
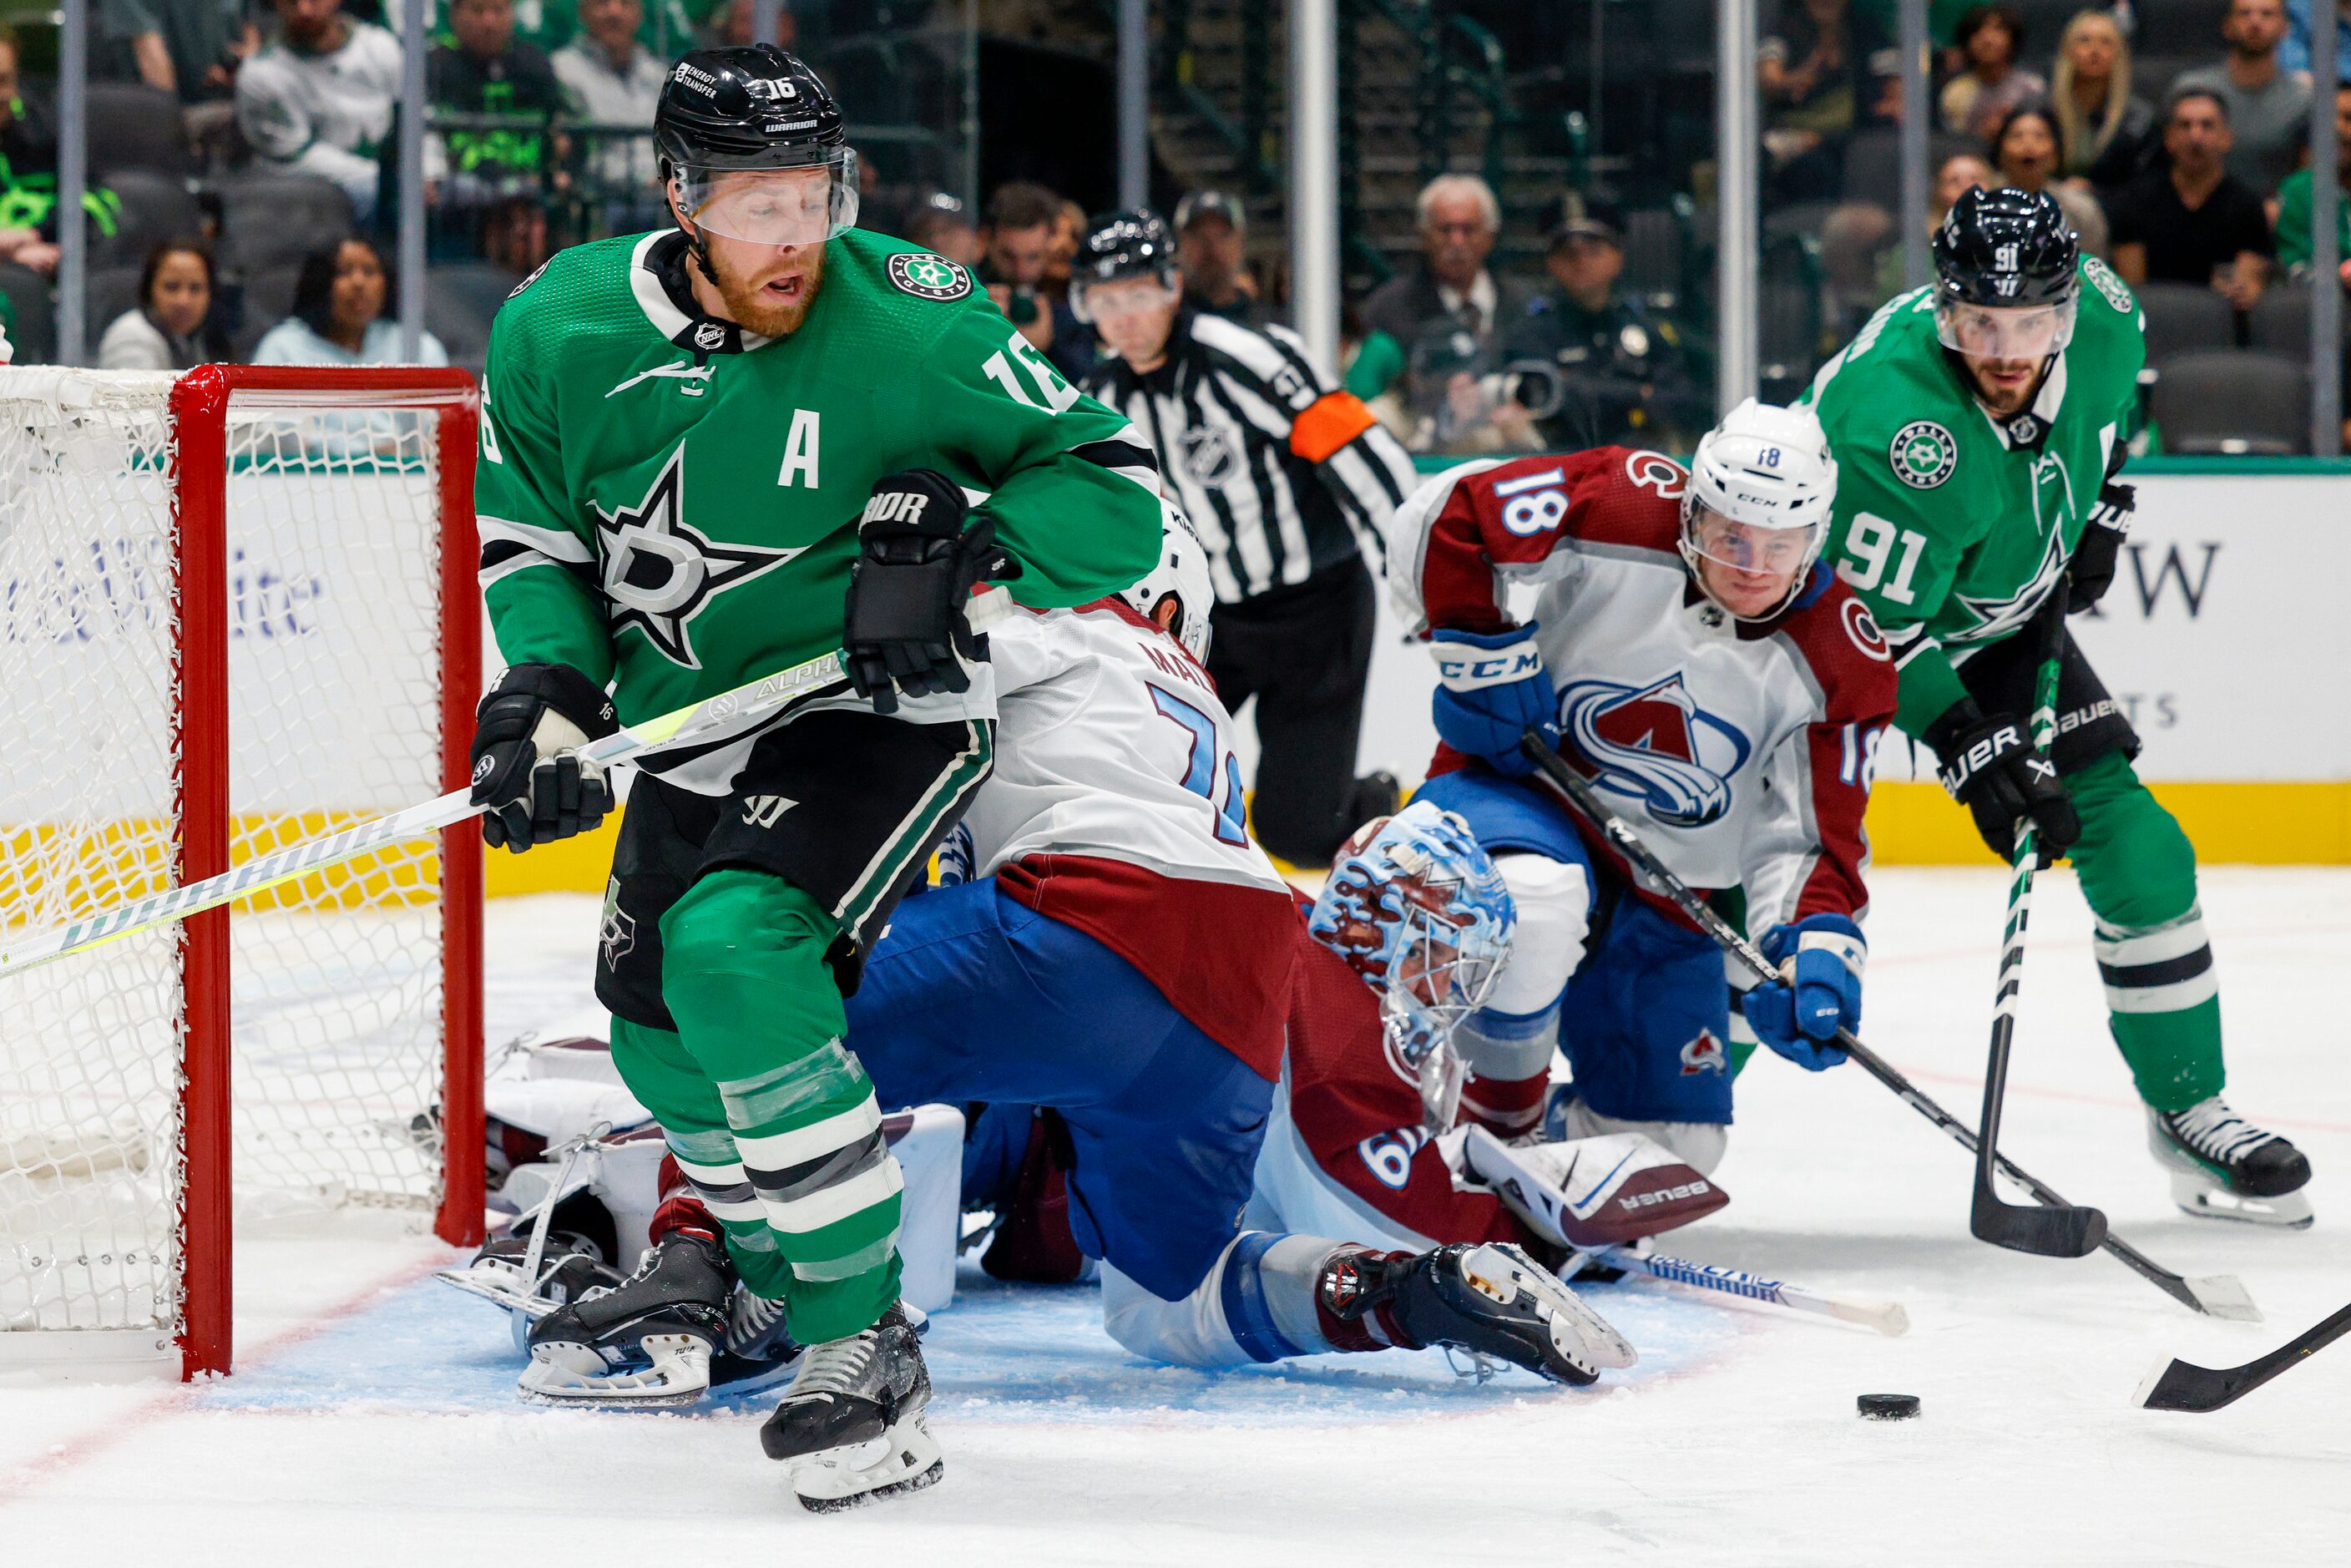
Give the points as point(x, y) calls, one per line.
point(904, 1460)
point(501, 1283)
point(2196, 1196)
point(1502, 1272)
point(561, 1373)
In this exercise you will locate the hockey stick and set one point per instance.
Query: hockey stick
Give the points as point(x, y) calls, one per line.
point(1888, 1318)
point(2047, 1232)
point(752, 700)
point(2215, 1295)
point(2184, 1386)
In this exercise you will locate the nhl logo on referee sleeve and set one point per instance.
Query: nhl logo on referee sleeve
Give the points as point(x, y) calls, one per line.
point(1924, 455)
point(928, 276)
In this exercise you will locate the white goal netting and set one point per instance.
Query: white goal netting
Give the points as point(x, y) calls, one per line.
point(333, 622)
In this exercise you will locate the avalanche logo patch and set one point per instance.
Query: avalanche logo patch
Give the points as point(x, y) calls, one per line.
point(927, 277)
point(1924, 455)
point(1861, 627)
point(1704, 1054)
point(1655, 745)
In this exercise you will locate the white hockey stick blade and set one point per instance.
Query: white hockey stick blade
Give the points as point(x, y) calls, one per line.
point(745, 703)
point(2224, 1296)
point(1888, 1318)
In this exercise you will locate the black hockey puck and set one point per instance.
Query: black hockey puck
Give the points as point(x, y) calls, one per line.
point(1887, 1407)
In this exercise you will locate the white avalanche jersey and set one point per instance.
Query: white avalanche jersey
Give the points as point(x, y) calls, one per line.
point(1109, 742)
point(1115, 806)
point(1742, 751)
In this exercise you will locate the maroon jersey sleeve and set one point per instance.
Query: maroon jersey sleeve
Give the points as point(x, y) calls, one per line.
point(1506, 522)
point(1854, 670)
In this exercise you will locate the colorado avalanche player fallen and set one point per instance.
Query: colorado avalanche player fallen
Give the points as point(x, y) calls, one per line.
point(1693, 658)
point(1109, 947)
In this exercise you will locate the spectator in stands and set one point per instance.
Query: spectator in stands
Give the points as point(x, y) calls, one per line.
point(190, 48)
point(2106, 134)
point(1024, 223)
point(2294, 55)
point(1825, 69)
point(2296, 241)
point(2025, 153)
point(1069, 233)
point(2194, 222)
point(1459, 219)
point(28, 177)
point(2269, 107)
point(615, 80)
point(1611, 372)
point(318, 98)
point(1974, 102)
point(487, 73)
point(338, 316)
point(172, 327)
point(1211, 241)
point(28, 173)
point(939, 224)
point(1954, 177)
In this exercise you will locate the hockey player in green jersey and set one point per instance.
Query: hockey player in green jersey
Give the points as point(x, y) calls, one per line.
point(1978, 426)
point(710, 453)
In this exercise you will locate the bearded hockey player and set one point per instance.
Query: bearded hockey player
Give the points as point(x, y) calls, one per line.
point(714, 452)
point(1691, 656)
point(1977, 425)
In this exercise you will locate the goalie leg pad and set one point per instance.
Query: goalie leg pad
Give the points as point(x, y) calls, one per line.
point(1600, 1191)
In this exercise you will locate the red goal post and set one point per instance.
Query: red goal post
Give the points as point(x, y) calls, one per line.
point(238, 608)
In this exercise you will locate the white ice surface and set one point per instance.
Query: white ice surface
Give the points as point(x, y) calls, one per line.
point(369, 1421)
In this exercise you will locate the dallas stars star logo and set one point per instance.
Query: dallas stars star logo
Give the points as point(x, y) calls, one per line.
point(1998, 617)
point(660, 573)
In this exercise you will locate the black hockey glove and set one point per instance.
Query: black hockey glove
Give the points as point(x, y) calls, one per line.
point(911, 586)
point(1988, 768)
point(524, 733)
point(2091, 571)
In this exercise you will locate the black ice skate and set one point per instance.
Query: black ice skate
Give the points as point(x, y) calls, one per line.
point(850, 1428)
point(1489, 1299)
point(2224, 1168)
point(645, 1341)
point(759, 1350)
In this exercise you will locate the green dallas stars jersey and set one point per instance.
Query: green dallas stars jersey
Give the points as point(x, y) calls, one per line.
point(1951, 528)
point(670, 505)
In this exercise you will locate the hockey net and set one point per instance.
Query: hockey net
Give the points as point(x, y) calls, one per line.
point(236, 611)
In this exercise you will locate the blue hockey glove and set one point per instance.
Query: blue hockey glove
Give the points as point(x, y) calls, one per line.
point(1491, 689)
point(1795, 1019)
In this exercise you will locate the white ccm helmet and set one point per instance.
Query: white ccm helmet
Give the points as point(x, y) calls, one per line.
point(1766, 471)
point(1181, 574)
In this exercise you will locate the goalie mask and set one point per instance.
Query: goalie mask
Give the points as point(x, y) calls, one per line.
point(1417, 910)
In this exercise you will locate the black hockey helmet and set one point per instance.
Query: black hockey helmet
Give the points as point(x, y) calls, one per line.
point(2006, 248)
point(1119, 247)
point(752, 107)
point(738, 111)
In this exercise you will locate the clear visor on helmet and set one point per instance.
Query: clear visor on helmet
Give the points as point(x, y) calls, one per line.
point(2004, 331)
point(806, 204)
point(1116, 298)
point(1743, 546)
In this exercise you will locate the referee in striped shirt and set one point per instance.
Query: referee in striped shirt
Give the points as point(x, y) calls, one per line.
point(1287, 478)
